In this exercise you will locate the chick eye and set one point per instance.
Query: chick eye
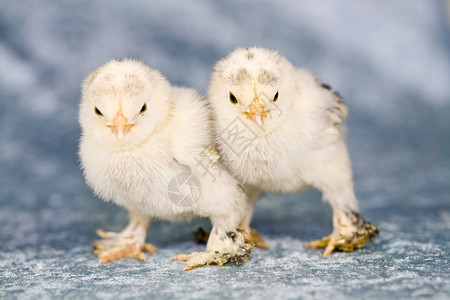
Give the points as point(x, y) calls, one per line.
point(275, 98)
point(143, 109)
point(233, 98)
point(98, 112)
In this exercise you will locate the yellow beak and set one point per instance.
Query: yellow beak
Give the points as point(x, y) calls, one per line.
point(120, 125)
point(257, 112)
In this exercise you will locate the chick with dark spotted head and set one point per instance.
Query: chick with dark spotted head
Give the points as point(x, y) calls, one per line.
point(280, 130)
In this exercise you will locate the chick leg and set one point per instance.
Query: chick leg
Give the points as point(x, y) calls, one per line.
point(223, 201)
point(225, 244)
point(252, 193)
point(350, 230)
point(255, 237)
point(128, 243)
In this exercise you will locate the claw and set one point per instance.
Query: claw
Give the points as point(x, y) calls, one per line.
point(114, 246)
point(149, 248)
point(184, 257)
point(257, 239)
point(189, 267)
point(352, 233)
point(216, 258)
point(318, 243)
point(106, 234)
point(198, 259)
point(116, 253)
point(224, 246)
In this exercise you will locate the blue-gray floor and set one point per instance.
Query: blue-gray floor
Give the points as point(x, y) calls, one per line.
point(390, 61)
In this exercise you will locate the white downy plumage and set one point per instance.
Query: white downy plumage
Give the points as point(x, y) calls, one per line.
point(145, 146)
point(280, 130)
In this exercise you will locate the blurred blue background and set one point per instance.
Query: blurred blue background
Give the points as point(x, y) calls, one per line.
point(389, 59)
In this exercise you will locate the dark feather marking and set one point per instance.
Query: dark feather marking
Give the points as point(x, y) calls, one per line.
point(267, 78)
point(336, 93)
point(232, 235)
point(240, 77)
point(326, 86)
point(340, 98)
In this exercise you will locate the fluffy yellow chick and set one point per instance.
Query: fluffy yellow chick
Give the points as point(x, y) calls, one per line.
point(144, 146)
point(280, 130)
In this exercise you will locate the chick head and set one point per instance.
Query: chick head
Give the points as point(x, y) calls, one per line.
point(123, 101)
point(251, 84)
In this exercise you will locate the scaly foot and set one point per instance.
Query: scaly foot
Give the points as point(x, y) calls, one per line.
point(226, 248)
point(128, 243)
point(351, 232)
point(198, 259)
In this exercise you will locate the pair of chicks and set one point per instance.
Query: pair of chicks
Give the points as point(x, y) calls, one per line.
point(164, 152)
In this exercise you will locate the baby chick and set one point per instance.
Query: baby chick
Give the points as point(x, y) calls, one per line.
point(144, 146)
point(280, 130)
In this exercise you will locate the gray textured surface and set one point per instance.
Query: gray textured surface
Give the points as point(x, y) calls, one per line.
point(391, 62)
